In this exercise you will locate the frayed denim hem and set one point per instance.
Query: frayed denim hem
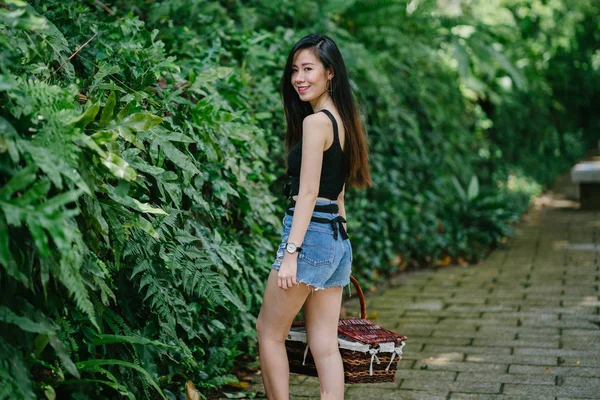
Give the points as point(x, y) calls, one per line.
point(342, 284)
point(331, 285)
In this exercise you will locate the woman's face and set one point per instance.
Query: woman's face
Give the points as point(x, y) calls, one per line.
point(309, 76)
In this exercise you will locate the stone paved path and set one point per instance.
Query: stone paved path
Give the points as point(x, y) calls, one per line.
point(525, 323)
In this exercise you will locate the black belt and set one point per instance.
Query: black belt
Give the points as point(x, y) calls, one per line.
point(337, 223)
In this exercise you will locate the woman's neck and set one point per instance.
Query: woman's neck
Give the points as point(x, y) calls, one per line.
point(321, 102)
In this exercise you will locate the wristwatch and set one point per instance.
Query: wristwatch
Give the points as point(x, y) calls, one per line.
point(292, 248)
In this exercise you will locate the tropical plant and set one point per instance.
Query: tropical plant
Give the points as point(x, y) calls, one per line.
point(142, 166)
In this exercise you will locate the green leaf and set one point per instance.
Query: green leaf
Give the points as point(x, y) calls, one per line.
point(176, 137)
point(121, 389)
point(87, 141)
point(218, 324)
point(222, 188)
point(178, 158)
point(263, 115)
point(6, 129)
point(23, 17)
point(148, 209)
point(459, 189)
point(103, 72)
point(125, 110)
point(59, 200)
point(111, 86)
point(54, 166)
point(45, 264)
point(7, 82)
point(40, 342)
point(147, 227)
point(36, 192)
point(131, 202)
point(76, 178)
point(211, 75)
point(61, 351)
point(108, 110)
point(8, 134)
point(90, 363)
point(473, 190)
point(21, 180)
point(104, 137)
point(44, 325)
point(49, 392)
point(39, 236)
point(461, 56)
point(119, 167)
point(236, 395)
point(231, 297)
point(110, 339)
point(6, 258)
point(103, 371)
point(138, 122)
point(514, 73)
point(88, 116)
point(140, 164)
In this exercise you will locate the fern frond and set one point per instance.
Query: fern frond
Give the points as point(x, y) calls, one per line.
point(14, 377)
point(204, 284)
point(116, 233)
point(117, 323)
point(69, 275)
point(161, 299)
point(170, 220)
point(143, 266)
point(92, 363)
point(66, 334)
point(110, 339)
point(121, 389)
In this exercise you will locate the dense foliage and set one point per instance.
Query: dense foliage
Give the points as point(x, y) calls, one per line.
point(142, 165)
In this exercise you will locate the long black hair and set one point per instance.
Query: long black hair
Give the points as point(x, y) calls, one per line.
point(325, 49)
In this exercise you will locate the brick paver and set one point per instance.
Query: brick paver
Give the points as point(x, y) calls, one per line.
point(524, 323)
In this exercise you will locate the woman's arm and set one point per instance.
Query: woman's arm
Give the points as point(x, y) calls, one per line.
point(315, 128)
point(341, 206)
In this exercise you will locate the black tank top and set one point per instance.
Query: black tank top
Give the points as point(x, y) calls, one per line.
point(333, 170)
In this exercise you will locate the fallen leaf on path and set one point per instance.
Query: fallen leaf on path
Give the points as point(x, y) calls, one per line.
point(447, 260)
point(240, 385)
point(190, 391)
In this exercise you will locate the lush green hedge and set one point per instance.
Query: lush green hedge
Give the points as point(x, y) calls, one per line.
point(141, 179)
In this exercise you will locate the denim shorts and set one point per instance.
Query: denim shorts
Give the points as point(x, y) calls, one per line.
point(324, 261)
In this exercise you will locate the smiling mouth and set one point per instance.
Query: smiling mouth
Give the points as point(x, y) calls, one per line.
point(302, 89)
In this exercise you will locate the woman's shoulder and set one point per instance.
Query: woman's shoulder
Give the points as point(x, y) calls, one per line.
point(317, 127)
point(316, 120)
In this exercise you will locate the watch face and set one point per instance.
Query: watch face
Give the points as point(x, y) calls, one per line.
point(291, 248)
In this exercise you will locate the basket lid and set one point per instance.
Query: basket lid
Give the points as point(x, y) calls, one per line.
point(364, 331)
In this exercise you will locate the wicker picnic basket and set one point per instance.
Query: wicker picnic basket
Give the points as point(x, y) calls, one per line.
point(370, 353)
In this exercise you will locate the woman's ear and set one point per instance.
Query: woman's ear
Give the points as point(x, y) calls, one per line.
point(330, 73)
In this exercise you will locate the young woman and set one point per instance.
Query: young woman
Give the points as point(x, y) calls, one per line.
point(326, 150)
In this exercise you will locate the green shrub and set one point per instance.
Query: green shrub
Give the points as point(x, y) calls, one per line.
point(142, 166)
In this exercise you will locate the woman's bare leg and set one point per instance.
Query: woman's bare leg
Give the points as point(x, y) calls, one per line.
point(276, 315)
point(322, 309)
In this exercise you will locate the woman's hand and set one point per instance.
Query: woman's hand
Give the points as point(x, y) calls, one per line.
point(286, 277)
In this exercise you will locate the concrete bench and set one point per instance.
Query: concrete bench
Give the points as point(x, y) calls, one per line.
point(587, 175)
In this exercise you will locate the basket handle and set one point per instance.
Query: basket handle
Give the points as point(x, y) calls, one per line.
point(361, 298)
